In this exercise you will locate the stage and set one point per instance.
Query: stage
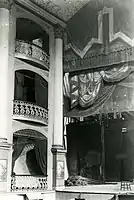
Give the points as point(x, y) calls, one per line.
point(106, 191)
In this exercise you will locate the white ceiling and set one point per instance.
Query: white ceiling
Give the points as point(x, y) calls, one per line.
point(63, 9)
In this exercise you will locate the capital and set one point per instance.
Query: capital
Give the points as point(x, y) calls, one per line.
point(58, 31)
point(6, 4)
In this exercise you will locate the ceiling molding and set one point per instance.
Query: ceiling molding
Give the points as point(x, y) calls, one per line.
point(40, 12)
point(64, 9)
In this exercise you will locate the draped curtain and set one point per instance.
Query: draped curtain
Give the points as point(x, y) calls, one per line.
point(41, 154)
point(19, 144)
point(122, 99)
point(41, 91)
point(19, 84)
point(89, 91)
point(38, 91)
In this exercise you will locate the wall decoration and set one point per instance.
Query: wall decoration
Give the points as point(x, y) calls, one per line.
point(3, 170)
point(60, 169)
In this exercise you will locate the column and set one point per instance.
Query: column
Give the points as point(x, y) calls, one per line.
point(50, 111)
point(57, 148)
point(6, 93)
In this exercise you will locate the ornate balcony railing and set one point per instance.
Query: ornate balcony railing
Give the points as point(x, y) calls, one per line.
point(31, 52)
point(29, 111)
point(28, 182)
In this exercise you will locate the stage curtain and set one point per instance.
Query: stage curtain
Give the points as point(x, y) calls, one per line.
point(116, 74)
point(41, 154)
point(90, 90)
point(105, 94)
point(66, 86)
point(122, 99)
point(18, 146)
point(89, 87)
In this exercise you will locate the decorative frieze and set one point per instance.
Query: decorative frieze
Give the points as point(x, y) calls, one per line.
point(95, 60)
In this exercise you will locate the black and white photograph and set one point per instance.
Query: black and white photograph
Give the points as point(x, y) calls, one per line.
point(67, 99)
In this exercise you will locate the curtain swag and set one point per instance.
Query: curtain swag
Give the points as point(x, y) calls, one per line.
point(88, 91)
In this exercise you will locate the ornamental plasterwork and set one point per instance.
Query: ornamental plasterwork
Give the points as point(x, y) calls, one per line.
point(58, 31)
point(63, 9)
point(6, 3)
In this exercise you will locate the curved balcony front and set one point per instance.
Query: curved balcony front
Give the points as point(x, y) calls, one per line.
point(28, 183)
point(29, 112)
point(32, 54)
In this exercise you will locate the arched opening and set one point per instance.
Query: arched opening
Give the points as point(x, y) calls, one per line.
point(31, 87)
point(29, 153)
point(29, 31)
point(32, 43)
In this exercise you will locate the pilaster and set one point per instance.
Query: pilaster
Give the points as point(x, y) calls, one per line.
point(7, 34)
point(58, 167)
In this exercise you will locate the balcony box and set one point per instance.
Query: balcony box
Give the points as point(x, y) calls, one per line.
point(32, 54)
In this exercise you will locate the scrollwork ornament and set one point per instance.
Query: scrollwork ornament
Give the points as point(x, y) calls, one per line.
point(6, 4)
point(58, 31)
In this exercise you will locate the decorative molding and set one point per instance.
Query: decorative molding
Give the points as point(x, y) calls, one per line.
point(4, 143)
point(58, 31)
point(119, 35)
point(6, 4)
point(58, 149)
point(123, 37)
point(112, 36)
point(40, 12)
point(28, 183)
point(30, 133)
point(117, 56)
point(3, 170)
point(82, 53)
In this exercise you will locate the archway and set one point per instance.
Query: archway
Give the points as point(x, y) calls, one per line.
point(34, 33)
point(31, 87)
point(29, 153)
